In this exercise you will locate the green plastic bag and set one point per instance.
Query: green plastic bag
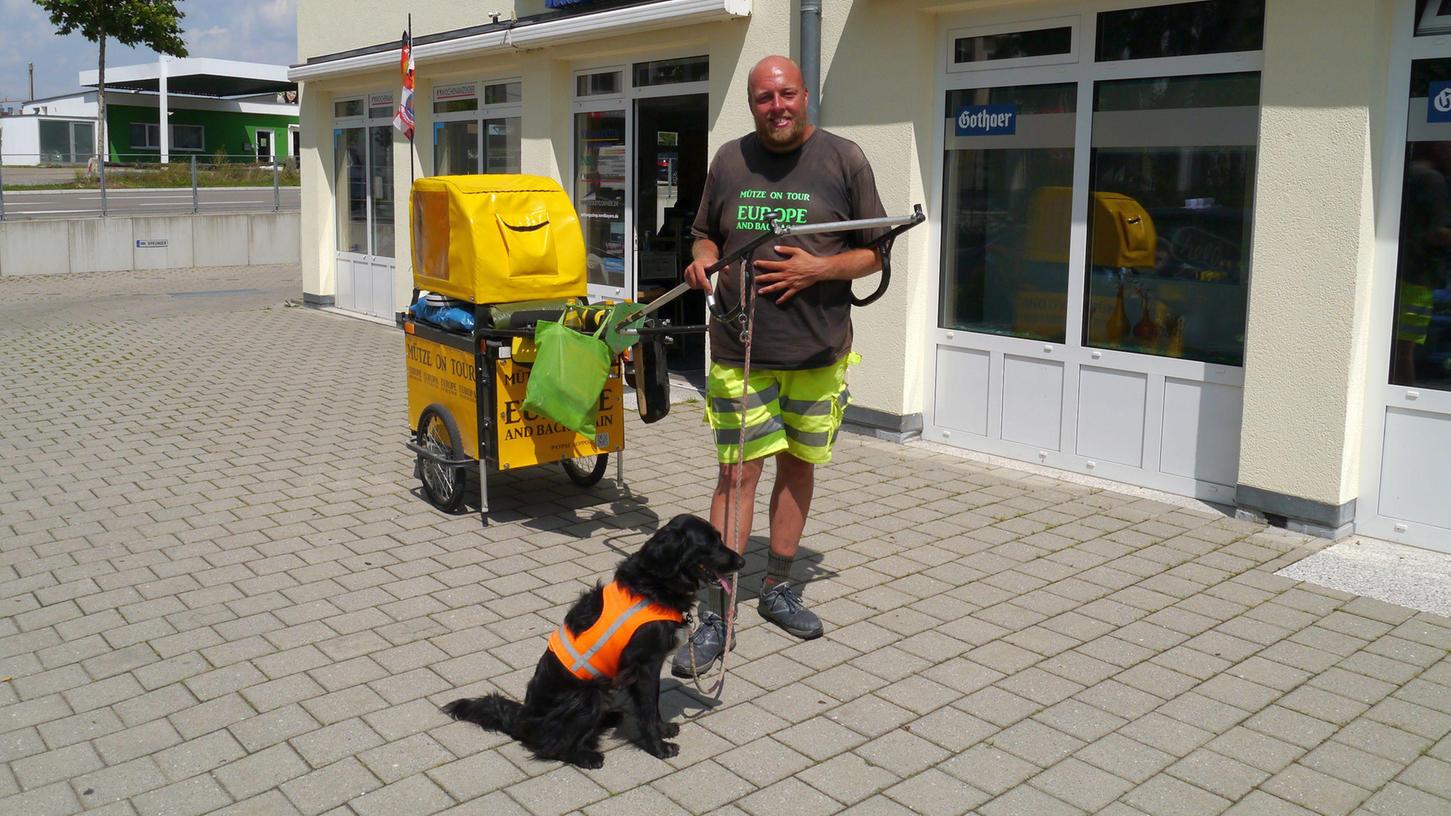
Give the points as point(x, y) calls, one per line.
point(569, 375)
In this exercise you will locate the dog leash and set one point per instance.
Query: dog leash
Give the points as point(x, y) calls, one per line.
point(733, 516)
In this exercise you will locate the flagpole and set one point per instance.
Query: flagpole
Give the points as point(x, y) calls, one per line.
point(411, 153)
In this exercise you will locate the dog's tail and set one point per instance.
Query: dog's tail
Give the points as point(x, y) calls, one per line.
point(494, 712)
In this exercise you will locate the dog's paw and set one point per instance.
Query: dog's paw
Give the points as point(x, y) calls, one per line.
point(669, 730)
point(588, 759)
point(666, 750)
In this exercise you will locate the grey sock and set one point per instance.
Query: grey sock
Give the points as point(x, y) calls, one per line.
point(714, 601)
point(778, 570)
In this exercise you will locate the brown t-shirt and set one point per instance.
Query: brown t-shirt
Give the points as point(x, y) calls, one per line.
point(826, 179)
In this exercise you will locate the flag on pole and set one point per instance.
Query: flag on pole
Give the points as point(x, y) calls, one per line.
point(404, 118)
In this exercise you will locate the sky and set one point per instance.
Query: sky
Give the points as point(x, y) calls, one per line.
point(251, 31)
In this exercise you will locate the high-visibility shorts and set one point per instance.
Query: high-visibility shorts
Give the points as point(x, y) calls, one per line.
point(798, 412)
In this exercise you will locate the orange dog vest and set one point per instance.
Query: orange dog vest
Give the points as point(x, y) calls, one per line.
point(595, 652)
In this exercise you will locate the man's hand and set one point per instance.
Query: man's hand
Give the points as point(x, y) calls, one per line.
point(705, 253)
point(798, 271)
point(695, 274)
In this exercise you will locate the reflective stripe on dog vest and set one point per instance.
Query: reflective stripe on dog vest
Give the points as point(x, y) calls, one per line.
point(596, 651)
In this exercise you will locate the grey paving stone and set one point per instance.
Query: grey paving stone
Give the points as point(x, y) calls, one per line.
point(329, 787)
point(936, 794)
point(40, 770)
point(262, 771)
point(191, 797)
point(1218, 774)
point(413, 795)
point(557, 792)
point(764, 761)
point(789, 796)
point(1165, 794)
point(52, 800)
point(702, 787)
point(1396, 799)
point(848, 778)
point(1027, 801)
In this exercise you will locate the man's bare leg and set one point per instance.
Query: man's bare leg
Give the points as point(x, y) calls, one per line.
point(790, 503)
point(779, 602)
point(720, 503)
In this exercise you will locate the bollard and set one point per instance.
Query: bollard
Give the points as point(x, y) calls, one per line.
point(194, 201)
point(276, 190)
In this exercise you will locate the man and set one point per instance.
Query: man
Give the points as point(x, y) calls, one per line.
point(801, 344)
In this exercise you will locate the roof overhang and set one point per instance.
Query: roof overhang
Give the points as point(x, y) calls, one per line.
point(201, 76)
point(607, 23)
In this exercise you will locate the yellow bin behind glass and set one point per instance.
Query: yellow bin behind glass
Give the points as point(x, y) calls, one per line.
point(496, 238)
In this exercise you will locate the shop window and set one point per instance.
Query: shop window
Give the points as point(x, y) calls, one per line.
point(1008, 192)
point(473, 138)
point(1434, 17)
point(380, 106)
point(672, 71)
point(1013, 45)
point(1421, 333)
point(501, 145)
point(604, 83)
point(456, 98)
point(504, 93)
point(1181, 29)
point(1172, 184)
point(350, 174)
point(599, 161)
point(455, 147)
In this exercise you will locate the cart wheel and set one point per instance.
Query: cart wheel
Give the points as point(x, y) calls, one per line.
point(586, 471)
point(442, 484)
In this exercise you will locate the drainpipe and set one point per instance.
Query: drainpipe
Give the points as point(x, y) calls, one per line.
point(811, 57)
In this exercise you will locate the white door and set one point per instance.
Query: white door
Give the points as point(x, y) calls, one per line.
point(1406, 494)
point(363, 195)
point(1094, 229)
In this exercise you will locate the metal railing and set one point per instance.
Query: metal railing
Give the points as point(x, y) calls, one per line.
point(39, 186)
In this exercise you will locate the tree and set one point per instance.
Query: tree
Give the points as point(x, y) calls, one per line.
point(155, 24)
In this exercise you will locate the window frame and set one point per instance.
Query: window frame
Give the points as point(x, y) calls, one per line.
point(1071, 57)
point(1086, 72)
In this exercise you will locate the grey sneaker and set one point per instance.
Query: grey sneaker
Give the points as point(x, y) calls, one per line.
point(781, 605)
point(702, 649)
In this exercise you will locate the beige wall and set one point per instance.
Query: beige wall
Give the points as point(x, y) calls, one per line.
point(1314, 243)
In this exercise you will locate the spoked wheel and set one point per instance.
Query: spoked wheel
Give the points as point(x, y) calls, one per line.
point(586, 471)
point(438, 434)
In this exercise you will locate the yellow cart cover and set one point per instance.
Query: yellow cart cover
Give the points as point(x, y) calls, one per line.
point(496, 238)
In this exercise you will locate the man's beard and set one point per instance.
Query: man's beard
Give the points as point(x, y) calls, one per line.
point(784, 137)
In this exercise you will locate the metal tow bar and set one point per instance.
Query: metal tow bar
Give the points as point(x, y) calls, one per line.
point(899, 225)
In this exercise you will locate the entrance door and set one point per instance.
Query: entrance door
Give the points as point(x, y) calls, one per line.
point(363, 193)
point(601, 197)
point(1409, 431)
point(670, 167)
point(264, 146)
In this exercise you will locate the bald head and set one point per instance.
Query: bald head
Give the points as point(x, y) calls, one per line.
point(772, 67)
point(778, 99)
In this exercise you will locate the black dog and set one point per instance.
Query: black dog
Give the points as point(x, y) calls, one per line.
point(563, 715)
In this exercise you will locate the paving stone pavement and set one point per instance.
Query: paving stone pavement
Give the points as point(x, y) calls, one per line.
point(220, 592)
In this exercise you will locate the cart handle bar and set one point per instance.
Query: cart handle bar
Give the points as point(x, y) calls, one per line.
point(900, 223)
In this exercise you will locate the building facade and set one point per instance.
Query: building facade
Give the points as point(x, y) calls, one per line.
point(242, 110)
point(1199, 246)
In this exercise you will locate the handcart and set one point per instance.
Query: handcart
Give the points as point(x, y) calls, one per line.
point(498, 253)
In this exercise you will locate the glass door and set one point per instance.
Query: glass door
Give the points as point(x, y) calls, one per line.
point(601, 197)
point(1406, 494)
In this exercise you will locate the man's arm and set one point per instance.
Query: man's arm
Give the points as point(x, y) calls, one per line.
point(704, 252)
